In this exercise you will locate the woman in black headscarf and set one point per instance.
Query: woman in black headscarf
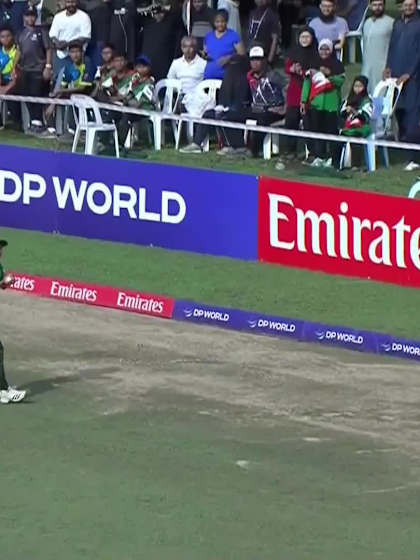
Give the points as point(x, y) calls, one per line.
point(300, 58)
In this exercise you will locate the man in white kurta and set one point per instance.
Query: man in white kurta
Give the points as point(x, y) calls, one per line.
point(376, 36)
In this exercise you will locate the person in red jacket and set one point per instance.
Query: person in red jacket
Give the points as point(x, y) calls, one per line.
point(299, 59)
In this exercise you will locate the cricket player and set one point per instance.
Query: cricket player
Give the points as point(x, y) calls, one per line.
point(7, 394)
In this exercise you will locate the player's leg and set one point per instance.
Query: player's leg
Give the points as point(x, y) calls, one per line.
point(7, 393)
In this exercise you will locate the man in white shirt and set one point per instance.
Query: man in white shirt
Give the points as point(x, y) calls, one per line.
point(190, 67)
point(69, 26)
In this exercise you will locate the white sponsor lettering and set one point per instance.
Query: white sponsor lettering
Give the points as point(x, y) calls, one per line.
point(24, 284)
point(344, 337)
point(70, 291)
point(98, 197)
point(276, 325)
point(330, 234)
point(139, 303)
point(213, 315)
point(406, 348)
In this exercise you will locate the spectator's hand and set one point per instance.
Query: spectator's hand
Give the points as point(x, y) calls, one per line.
point(386, 73)
point(326, 71)
point(402, 79)
point(47, 74)
point(349, 110)
point(298, 68)
point(223, 60)
point(303, 108)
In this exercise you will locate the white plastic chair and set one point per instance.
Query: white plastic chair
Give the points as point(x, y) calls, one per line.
point(353, 36)
point(385, 99)
point(167, 107)
point(85, 104)
point(210, 88)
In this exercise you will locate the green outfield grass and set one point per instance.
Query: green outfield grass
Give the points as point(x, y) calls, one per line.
point(220, 281)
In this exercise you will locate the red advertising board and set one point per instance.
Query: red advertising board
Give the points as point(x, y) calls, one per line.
point(92, 294)
point(339, 231)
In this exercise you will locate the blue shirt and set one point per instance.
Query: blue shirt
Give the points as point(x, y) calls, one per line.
point(216, 48)
point(78, 76)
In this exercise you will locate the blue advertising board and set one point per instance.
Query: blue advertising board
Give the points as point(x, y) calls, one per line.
point(131, 202)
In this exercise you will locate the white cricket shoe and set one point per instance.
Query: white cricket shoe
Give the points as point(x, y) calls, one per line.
point(14, 395)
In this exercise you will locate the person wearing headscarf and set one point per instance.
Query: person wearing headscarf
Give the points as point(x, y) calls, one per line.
point(356, 113)
point(321, 100)
point(299, 59)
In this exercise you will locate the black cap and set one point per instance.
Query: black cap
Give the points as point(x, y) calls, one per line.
point(3, 243)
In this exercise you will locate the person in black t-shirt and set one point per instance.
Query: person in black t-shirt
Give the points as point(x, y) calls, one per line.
point(35, 66)
point(264, 28)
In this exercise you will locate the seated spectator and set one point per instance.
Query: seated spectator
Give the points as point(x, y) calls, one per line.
point(376, 36)
point(264, 28)
point(267, 105)
point(11, 15)
point(356, 113)
point(9, 59)
point(69, 26)
point(321, 100)
point(231, 7)
point(220, 45)
point(299, 59)
point(234, 95)
point(330, 26)
point(78, 74)
point(117, 85)
point(200, 20)
point(161, 39)
point(107, 67)
point(140, 96)
point(35, 67)
point(189, 69)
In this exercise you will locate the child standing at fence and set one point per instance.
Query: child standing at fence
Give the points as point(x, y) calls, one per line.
point(321, 100)
point(356, 112)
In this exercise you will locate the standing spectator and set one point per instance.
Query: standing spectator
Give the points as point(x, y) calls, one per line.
point(200, 20)
point(376, 36)
point(35, 66)
point(99, 12)
point(289, 11)
point(404, 63)
point(190, 67)
point(220, 45)
point(71, 25)
point(321, 100)
point(11, 14)
point(232, 9)
point(123, 27)
point(329, 26)
point(9, 59)
point(300, 59)
point(161, 39)
point(264, 28)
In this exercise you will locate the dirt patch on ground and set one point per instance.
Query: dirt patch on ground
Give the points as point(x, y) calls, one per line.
point(124, 359)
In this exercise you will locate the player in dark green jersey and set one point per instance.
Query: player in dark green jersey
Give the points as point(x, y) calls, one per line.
point(7, 394)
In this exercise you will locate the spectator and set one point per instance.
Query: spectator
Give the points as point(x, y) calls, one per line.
point(321, 99)
point(352, 11)
point(404, 63)
point(356, 113)
point(299, 60)
point(124, 27)
point(190, 67)
point(45, 10)
point(11, 14)
point(234, 95)
point(140, 96)
point(161, 39)
point(289, 11)
point(329, 26)
point(220, 45)
point(107, 66)
point(69, 26)
point(232, 9)
point(376, 36)
point(267, 105)
point(118, 84)
point(9, 59)
point(35, 66)
point(264, 28)
point(200, 20)
point(78, 73)
point(99, 12)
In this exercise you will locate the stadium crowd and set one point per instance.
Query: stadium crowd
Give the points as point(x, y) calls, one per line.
point(278, 62)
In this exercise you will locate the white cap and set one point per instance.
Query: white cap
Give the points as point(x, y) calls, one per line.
point(326, 43)
point(256, 52)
